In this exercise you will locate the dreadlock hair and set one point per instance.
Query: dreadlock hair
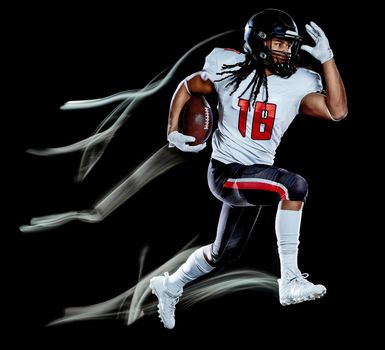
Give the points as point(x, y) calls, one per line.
point(236, 77)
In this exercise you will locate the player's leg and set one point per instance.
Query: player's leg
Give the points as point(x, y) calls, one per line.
point(234, 228)
point(287, 229)
point(233, 231)
point(256, 184)
point(293, 285)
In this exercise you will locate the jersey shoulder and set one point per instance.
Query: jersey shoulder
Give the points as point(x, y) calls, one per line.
point(216, 60)
point(308, 79)
point(306, 73)
point(226, 55)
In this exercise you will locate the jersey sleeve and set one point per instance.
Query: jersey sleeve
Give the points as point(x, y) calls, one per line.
point(313, 83)
point(305, 82)
point(210, 67)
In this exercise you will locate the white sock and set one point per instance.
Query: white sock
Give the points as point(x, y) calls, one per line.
point(287, 224)
point(194, 267)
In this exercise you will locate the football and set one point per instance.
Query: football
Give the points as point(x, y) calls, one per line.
point(196, 119)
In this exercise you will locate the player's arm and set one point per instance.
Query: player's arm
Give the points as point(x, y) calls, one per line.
point(333, 105)
point(195, 84)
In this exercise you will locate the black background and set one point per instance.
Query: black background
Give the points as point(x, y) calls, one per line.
point(73, 52)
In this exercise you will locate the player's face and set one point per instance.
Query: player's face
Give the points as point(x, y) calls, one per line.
point(281, 45)
point(280, 48)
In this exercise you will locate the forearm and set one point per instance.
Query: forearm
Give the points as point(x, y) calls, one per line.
point(180, 97)
point(336, 99)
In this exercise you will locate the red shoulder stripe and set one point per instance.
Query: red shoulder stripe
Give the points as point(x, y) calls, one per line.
point(229, 49)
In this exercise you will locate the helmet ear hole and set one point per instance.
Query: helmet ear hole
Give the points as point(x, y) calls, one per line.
point(262, 35)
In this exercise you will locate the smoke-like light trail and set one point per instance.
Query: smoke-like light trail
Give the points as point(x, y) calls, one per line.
point(135, 302)
point(161, 161)
point(131, 99)
point(93, 148)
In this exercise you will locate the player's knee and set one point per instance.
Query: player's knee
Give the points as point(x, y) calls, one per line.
point(298, 188)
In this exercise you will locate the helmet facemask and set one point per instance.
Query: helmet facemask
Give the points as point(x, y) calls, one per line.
point(279, 62)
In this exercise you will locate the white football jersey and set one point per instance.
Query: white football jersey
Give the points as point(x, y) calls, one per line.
point(251, 134)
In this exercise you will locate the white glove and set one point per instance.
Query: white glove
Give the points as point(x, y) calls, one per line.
point(179, 140)
point(321, 51)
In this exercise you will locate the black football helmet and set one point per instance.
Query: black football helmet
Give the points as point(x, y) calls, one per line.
point(268, 24)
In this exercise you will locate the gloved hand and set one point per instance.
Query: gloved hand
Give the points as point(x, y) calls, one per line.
point(321, 51)
point(179, 140)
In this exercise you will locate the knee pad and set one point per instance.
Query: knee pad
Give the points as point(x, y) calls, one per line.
point(298, 188)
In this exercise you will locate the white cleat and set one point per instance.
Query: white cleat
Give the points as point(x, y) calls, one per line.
point(296, 289)
point(167, 300)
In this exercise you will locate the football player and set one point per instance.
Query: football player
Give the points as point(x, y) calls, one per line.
point(260, 91)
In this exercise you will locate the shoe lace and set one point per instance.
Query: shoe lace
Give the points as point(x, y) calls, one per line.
point(301, 279)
